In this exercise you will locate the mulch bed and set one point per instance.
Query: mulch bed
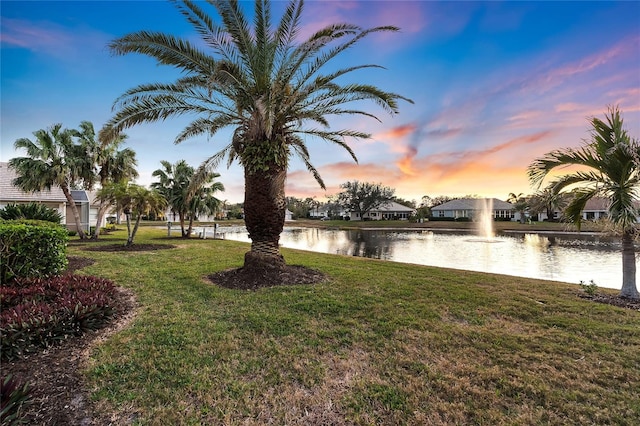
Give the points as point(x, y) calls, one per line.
point(246, 279)
point(59, 394)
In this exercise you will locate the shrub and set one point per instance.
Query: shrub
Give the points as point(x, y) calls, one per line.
point(40, 312)
point(30, 211)
point(13, 395)
point(31, 249)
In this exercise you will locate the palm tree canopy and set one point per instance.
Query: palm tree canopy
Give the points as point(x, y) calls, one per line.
point(53, 159)
point(262, 83)
point(609, 165)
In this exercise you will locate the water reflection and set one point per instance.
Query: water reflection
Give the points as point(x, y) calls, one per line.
point(565, 258)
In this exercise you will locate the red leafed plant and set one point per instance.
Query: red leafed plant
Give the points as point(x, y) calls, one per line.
point(40, 312)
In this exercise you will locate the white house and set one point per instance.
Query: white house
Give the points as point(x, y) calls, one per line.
point(53, 198)
point(471, 208)
point(388, 211)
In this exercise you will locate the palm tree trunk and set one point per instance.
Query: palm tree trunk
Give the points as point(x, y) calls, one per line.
point(628, 267)
point(135, 229)
point(264, 209)
point(74, 210)
point(101, 212)
point(129, 235)
point(190, 228)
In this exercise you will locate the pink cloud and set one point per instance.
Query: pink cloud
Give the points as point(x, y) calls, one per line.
point(40, 37)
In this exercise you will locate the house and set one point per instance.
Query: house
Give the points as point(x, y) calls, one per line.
point(388, 211)
point(471, 208)
point(10, 194)
point(288, 215)
point(54, 198)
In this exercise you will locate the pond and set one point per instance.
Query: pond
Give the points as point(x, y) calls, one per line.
point(559, 257)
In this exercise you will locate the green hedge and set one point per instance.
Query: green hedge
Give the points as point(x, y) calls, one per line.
point(31, 248)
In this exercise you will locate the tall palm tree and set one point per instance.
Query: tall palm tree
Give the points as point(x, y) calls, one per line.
point(264, 84)
point(609, 167)
point(53, 159)
point(110, 164)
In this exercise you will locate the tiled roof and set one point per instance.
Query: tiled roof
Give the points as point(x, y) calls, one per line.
point(472, 204)
point(9, 192)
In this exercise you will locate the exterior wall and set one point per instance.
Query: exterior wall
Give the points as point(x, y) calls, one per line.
point(59, 207)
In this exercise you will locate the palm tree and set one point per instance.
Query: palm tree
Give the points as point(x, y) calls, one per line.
point(53, 159)
point(136, 201)
point(174, 180)
point(609, 167)
point(263, 84)
point(547, 201)
point(201, 195)
point(111, 165)
point(520, 204)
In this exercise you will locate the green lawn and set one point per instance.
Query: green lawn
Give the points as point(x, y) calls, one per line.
point(379, 343)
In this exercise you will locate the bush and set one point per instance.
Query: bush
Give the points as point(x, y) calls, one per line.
point(32, 210)
point(442, 219)
point(31, 249)
point(13, 395)
point(40, 312)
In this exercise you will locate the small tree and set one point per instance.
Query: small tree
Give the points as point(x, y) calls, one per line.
point(520, 204)
point(609, 166)
point(136, 201)
point(362, 197)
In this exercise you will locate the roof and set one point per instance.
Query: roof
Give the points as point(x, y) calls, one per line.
point(9, 192)
point(392, 206)
point(472, 204)
point(597, 204)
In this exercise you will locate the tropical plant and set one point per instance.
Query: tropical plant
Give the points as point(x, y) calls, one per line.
point(265, 85)
point(520, 204)
point(173, 184)
point(31, 210)
point(110, 165)
point(547, 201)
point(53, 159)
point(200, 197)
point(609, 166)
point(135, 200)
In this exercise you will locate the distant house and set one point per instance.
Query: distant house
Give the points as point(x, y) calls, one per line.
point(288, 215)
point(470, 208)
point(388, 211)
point(53, 198)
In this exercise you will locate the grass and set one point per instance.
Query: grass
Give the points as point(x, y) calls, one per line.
point(379, 343)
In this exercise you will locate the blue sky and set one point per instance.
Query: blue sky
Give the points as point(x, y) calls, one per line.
point(495, 84)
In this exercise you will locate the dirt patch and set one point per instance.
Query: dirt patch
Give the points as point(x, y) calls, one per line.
point(76, 262)
point(251, 279)
point(134, 247)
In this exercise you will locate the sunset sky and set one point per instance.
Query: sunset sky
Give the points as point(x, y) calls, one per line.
point(495, 84)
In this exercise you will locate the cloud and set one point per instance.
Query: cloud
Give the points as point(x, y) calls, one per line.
point(43, 37)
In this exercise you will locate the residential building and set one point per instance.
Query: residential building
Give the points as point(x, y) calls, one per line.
point(54, 198)
point(388, 211)
point(470, 208)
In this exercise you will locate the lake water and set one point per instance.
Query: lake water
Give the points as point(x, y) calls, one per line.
point(559, 257)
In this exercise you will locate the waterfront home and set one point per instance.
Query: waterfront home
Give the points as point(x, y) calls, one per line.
point(388, 211)
point(470, 209)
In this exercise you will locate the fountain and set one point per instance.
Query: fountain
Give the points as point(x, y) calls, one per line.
point(484, 222)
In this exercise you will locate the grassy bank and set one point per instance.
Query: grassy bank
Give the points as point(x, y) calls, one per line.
point(378, 343)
